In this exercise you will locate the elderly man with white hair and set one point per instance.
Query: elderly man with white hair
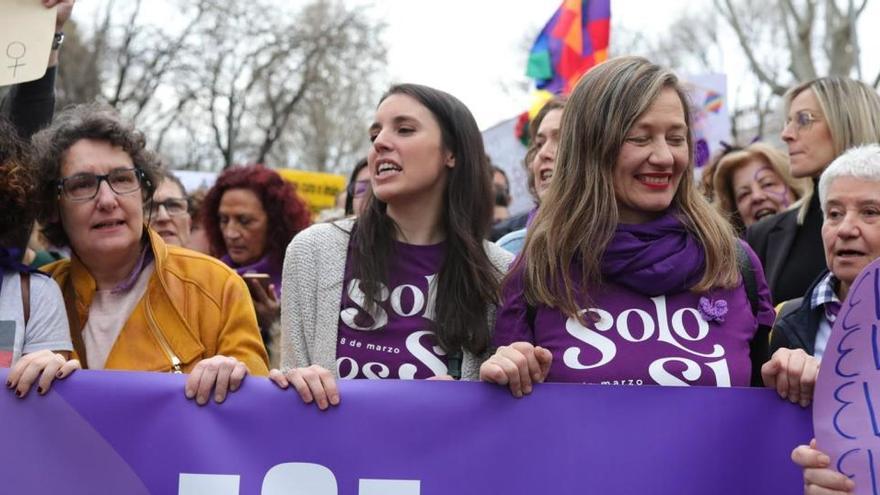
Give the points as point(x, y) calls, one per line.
point(849, 193)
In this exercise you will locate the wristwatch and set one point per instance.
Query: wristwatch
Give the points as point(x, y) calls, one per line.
point(58, 40)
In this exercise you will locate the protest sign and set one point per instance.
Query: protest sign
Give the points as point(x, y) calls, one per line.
point(26, 29)
point(318, 189)
point(847, 397)
point(135, 433)
point(710, 116)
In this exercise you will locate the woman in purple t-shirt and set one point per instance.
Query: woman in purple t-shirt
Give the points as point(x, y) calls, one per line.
point(407, 290)
point(628, 276)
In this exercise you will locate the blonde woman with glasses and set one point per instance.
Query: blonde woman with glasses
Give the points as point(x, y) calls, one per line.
point(824, 118)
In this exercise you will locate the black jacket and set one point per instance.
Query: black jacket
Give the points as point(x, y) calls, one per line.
point(509, 225)
point(797, 324)
point(790, 266)
point(29, 106)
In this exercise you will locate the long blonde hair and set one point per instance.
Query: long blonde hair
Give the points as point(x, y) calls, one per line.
point(852, 113)
point(851, 109)
point(579, 214)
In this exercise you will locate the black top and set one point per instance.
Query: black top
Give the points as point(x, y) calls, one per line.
point(806, 259)
point(792, 254)
point(797, 324)
point(29, 106)
point(509, 225)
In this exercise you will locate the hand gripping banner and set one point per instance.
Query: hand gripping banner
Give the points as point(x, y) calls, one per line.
point(135, 433)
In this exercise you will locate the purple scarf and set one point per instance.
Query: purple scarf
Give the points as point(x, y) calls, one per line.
point(260, 266)
point(10, 261)
point(654, 258)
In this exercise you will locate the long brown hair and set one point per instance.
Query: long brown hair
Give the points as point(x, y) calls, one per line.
point(467, 282)
point(579, 214)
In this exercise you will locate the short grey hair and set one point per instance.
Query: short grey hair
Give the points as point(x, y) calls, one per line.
point(862, 162)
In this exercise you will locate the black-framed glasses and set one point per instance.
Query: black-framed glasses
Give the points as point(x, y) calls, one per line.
point(803, 120)
point(84, 186)
point(175, 207)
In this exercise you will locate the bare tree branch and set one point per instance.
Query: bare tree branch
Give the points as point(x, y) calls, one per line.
point(124, 55)
point(730, 15)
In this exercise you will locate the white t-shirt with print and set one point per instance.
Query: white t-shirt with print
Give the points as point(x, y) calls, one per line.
point(47, 327)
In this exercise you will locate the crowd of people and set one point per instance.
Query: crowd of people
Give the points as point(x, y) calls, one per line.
point(628, 271)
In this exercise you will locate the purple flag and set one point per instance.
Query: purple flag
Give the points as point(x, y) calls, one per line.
point(135, 433)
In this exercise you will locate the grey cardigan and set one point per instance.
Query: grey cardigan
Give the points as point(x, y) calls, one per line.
point(314, 269)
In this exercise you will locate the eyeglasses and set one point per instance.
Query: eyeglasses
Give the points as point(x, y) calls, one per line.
point(175, 207)
point(803, 120)
point(85, 186)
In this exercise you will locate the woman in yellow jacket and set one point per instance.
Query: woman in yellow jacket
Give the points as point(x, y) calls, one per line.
point(134, 302)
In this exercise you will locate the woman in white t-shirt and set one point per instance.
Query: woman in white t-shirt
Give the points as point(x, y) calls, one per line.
point(34, 337)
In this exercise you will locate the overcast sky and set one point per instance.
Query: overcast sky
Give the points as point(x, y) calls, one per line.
point(476, 49)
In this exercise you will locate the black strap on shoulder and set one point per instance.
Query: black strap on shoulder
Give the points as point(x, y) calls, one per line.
point(744, 262)
point(788, 307)
point(26, 296)
point(759, 347)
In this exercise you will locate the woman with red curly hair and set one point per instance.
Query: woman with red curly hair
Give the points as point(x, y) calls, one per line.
point(250, 216)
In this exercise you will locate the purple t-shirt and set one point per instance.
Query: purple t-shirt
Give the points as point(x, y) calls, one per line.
point(397, 341)
point(632, 339)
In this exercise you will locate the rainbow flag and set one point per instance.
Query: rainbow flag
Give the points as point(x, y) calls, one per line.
point(575, 39)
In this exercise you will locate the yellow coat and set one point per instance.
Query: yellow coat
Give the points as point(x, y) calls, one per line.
point(194, 307)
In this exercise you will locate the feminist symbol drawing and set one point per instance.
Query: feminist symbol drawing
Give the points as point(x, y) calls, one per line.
point(16, 50)
point(26, 28)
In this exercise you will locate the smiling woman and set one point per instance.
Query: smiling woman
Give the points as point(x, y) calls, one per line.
point(134, 302)
point(627, 275)
point(754, 182)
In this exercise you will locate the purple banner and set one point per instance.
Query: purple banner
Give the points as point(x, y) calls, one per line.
point(135, 433)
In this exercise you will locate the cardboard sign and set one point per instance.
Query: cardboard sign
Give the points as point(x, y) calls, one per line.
point(846, 412)
point(26, 32)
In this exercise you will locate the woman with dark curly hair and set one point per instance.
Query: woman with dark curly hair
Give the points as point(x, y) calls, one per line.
point(250, 216)
point(134, 302)
point(32, 319)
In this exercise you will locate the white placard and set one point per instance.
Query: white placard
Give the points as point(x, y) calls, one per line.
point(710, 119)
point(26, 31)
